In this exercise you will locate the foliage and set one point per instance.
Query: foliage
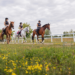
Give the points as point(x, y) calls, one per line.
point(12, 33)
point(36, 60)
point(30, 30)
point(0, 30)
point(66, 33)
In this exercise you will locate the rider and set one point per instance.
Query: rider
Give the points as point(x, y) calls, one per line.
point(21, 28)
point(6, 23)
point(38, 26)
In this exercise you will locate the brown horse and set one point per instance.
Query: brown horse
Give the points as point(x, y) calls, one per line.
point(8, 32)
point(41, 32)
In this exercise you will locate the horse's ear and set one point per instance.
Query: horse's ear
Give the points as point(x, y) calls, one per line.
point(48, 24)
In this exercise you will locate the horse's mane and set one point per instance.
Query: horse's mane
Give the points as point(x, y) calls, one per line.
point(45, 25)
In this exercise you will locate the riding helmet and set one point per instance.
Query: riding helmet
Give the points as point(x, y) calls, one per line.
point(39, 21)
point(6, 18)
point(20, 22)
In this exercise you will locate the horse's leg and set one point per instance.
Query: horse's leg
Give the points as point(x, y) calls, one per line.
point(15, 38)
point(18, 39)
point(37, 38)
point(25, 38)
point(7, 38)
point(22, 39)
point(2, 37)
point(42, 38)
point(33, 36)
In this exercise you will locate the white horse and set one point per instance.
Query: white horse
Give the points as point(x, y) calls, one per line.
point(23, 34)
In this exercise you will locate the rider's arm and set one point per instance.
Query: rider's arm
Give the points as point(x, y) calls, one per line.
point(4, 23)
point(19, 27)
point(37, 25)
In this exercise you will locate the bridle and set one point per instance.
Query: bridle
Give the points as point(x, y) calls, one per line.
point(12, 25)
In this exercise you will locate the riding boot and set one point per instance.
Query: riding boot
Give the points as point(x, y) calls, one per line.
point(38, 31)
point(3, 31)
point(20, 34)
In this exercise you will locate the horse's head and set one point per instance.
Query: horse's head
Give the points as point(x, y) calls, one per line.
point(48, 26)
point(27, 29)
point(12, 24)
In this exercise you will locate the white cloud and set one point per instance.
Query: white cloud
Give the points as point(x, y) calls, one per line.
point(59, 13)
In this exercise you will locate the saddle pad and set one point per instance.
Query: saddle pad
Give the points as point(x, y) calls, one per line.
point(18, 32)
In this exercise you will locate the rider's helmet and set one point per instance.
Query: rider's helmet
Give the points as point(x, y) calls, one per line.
point(6, 18)
point(20, 22)
point(39, 21)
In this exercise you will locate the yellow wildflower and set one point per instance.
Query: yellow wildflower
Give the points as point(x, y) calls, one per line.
point(10, 70)
point(3, 57)
point(54, 67)
point(13, 74)
point(5, 69)
point(26, 71)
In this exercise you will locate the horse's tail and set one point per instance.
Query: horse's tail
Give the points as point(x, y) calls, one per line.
point(33, 35)
point(1, 36)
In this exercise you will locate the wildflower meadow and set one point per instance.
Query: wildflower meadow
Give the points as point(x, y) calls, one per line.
point(35, 59)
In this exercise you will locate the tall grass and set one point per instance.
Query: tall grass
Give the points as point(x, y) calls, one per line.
point(36, 60)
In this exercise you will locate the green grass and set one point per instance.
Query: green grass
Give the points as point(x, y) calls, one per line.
point(37, 60)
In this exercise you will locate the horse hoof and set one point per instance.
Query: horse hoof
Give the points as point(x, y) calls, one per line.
point(42, 42)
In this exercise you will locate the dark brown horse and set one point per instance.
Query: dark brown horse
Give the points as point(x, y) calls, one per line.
point(41, 32)
point(8, 32)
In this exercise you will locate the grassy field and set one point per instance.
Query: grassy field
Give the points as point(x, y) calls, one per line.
point(37, 59)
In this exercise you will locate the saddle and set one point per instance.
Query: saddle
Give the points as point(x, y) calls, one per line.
point(37, 31)
point(19, 33)
point(4, 30)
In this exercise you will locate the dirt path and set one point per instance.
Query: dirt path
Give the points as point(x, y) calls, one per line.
point(52, 44)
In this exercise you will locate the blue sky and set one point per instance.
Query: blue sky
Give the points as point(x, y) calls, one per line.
point(59, 13)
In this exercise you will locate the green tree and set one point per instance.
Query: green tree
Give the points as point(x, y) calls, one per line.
point(47, 32)
point(66, 33)
point(71, 31)
point(30, 30)
point(12, 33)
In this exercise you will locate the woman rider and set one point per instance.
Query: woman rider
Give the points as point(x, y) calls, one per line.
point(6, 23)
point(38, 26)
point(21, 28)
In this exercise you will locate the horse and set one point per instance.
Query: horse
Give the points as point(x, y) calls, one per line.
point(8, 32)
point(41, 32)
point(23, 34)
